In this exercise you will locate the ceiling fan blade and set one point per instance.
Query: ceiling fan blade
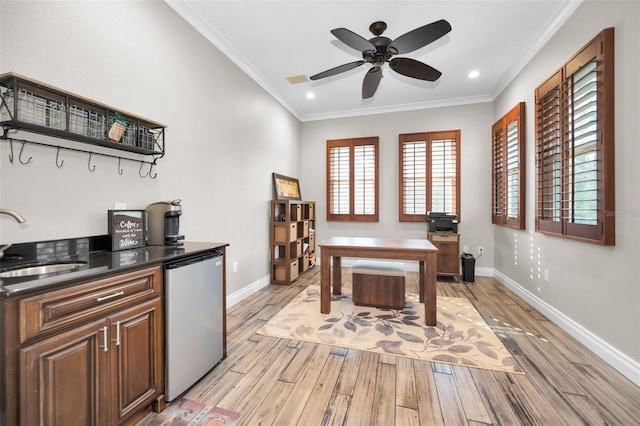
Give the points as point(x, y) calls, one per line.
point(336, 70)
point(419, 37)
point(415, 69)
point(353, 40)
point(371, 82)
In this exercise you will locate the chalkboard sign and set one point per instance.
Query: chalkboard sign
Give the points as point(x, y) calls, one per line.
point(127, 229)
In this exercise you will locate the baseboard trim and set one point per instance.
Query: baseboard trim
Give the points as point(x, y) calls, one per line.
point(612, 356)
point(247, 291)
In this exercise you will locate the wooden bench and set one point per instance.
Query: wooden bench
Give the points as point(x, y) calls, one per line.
point(378, 283)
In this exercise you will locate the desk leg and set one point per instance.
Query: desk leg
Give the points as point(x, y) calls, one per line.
point(337, 275)
point(325, 281)
point(430, 289)
point(421, 281)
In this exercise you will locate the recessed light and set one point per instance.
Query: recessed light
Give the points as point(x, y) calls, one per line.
point(474, 74)
point(311, 95)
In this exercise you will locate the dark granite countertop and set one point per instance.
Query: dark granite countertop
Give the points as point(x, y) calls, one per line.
point(100, 260)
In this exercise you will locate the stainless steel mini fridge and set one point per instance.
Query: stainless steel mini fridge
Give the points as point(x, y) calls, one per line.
point(194, 320)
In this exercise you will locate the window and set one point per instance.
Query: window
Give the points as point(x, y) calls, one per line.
point(429, 174)
point(508, 169)
point(574, 146)
point(352, 179)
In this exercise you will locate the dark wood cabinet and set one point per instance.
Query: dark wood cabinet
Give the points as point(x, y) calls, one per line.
point(137, 369)
point(448, 245)
point(87, 354)
point(64, 380)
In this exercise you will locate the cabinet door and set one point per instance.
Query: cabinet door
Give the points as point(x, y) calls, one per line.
point(65, 379)
point(138, 373)
point(448, 257)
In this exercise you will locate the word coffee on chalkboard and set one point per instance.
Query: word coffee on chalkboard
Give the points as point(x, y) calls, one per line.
point(127, 229)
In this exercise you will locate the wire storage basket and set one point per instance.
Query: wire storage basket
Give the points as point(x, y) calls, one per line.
point(34, 108)
point(87, 122)
point(136, 133)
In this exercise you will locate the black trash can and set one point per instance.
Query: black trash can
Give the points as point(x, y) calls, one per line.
point(468, 267)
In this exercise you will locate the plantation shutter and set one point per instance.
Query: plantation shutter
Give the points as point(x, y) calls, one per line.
point(549, 156)
point(352, 179)
point(414, 178)
point(339, 178)
point(513, 167)
point(508, 169)
point(444, 176)
point(364, 159)
point(429, 174)
point(574, 146)
point(581, 136)
point(498, 199)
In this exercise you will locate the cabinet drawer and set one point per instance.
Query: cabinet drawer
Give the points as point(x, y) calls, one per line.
point(62, 308)
point(444, 237)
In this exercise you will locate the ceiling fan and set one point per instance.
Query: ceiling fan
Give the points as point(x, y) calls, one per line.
point(379, 50)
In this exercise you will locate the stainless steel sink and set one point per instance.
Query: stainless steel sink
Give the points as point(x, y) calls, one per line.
point(46, 268)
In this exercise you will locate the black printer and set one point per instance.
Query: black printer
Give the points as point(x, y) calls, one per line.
point(442, 222)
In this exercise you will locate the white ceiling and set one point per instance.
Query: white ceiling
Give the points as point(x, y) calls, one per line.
point(273, 40)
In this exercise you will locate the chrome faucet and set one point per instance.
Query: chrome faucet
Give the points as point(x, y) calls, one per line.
point(18, 217)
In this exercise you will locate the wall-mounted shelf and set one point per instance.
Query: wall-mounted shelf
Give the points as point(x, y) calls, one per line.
point(29, 105)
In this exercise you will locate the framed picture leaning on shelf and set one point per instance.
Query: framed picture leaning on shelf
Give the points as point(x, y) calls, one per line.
point(286, 188)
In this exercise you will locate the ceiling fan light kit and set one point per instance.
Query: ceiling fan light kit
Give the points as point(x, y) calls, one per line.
point(380, 50)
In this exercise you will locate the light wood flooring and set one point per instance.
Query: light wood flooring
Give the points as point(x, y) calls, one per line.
point(273, 381)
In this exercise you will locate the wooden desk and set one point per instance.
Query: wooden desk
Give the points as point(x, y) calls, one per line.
point(379, 248)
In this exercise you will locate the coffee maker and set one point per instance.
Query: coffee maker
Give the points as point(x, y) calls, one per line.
point(163, 219)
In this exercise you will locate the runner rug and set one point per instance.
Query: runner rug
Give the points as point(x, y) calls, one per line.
point(185, 412)
point(461, 336)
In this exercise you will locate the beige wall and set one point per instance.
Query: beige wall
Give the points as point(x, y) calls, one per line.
point(225, 134)
point(474, 121)
point(593, 290)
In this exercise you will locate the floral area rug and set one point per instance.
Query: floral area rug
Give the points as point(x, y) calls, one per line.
point(460, 337)
point(185, 412)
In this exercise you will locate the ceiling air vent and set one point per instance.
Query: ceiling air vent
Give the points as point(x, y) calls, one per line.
point(296, 79)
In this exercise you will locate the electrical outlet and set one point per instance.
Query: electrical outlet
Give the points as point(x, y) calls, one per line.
point(480, 251)
point(465, 249)
point(546, 275)
point(235, 267)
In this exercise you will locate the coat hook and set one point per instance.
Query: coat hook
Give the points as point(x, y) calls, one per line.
point(11, 152)
point(119, 168)
point(152, 176)
point(140, 171)
point(61, 162)
point(91, 169)
point(20, 155)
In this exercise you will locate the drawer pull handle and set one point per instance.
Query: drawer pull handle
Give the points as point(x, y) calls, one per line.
point(105, 339)
point(117, 333)
point(111, 296)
